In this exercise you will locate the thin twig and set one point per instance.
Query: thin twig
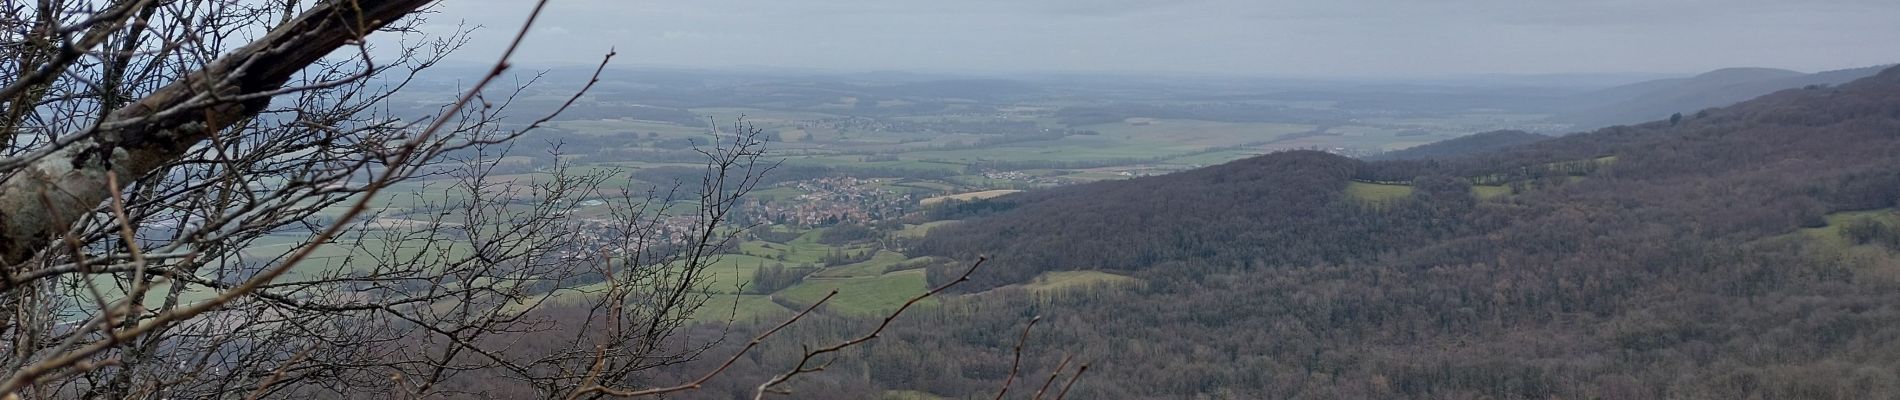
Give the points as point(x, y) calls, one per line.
point(696, 383)
point(409, 149)
point(1072, 379)
point(1016, 364)
point(278, 375)
point(1057, 373)
point(770, 385)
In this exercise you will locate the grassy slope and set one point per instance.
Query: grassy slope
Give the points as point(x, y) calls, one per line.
point(863, 296)
point(1059, 281)
point(732, 270)
point(1485, 192)
point(1831, 234)
point(742, 308)
point(873, 267)
point(918, 230)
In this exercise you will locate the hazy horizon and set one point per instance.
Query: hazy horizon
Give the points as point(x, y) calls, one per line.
point(1354, 39)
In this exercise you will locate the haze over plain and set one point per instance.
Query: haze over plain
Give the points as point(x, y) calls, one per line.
point(1332, 39)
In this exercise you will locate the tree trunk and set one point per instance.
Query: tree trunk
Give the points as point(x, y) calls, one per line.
point(40, 200)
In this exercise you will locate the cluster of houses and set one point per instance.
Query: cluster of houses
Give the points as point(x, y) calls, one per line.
point(830, 201)
point(595, 237)
point(1008, 175)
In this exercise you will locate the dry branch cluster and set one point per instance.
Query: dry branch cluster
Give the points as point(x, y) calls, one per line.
point(179, 176)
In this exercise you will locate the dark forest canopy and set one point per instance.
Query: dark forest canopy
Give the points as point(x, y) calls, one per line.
point(1812, 151)
point(1651, 261)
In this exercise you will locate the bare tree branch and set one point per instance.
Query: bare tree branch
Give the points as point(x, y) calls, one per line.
point(1017, 362)
point(804, 362)
point(162, 126)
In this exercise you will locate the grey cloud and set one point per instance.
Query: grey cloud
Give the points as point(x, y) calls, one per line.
point(1287, 37)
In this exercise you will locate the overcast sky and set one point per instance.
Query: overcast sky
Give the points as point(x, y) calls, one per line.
point(1315, 38)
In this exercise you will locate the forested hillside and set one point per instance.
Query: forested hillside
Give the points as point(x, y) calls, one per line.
point(1741, 253)
point(1645, 101)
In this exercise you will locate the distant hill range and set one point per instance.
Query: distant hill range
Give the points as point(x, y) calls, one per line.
point(1658, 99)
point(1752, 251)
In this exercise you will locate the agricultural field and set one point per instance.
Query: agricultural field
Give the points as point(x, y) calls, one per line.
point(729, 273)
point(740, 308)
point(1377, 192)
point(862, 295)
point(919, 230)
point(966, 196)
point(1193, 134)
point(902, 153)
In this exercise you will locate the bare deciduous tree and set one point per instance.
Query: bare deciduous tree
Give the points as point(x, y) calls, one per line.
point(196, 202)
